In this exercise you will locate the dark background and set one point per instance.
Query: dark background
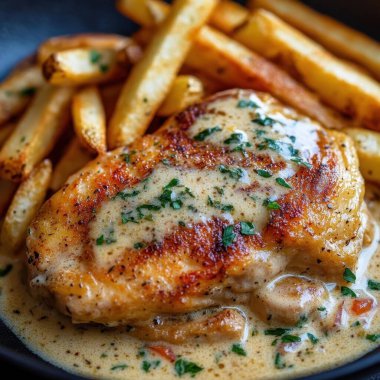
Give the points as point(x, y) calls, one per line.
point(26, 23)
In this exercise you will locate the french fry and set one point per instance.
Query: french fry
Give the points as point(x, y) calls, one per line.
point(91, 41)
point(185, 90)
point(90, 119)
point(73, 159)
point(36, 132)
point(151, 78)
point(335, 36)
point(367, 144)
point(25, 205)
point(5, 131)
point(17, 90)
point(83, 66)
point(109, 94)
point(7, 189)
point(344, 88)
point(228, 16)
point(231, 63)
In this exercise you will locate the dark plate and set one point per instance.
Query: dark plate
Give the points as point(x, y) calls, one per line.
point(24, 24)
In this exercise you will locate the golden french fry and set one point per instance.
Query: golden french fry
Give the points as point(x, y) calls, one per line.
point(73, 159)
point(367, 144)
point(335, 36)
point(339, 85)
point(7, 189)
point(36, 132)
point(228, 16)
point(17, 90)
point(25, 205)
point(5, 132)
point(185, 90)
point(84, 66)
point(151, 78)
point(90, 119)
point(232, 64)
point(86, 40)
point(147, 12)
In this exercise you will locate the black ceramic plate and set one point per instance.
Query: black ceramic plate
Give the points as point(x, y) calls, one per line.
point(25, 23)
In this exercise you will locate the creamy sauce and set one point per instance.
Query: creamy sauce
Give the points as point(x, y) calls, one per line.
point(188, 196)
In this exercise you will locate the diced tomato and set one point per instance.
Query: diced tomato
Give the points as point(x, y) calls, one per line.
point(165, 352)
point(362, 305)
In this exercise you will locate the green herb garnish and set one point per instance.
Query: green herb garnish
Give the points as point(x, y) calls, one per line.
point(276, 332)
point(95, 56)
point(242, 103)
point(235, 138)
point(347, 292)
point(119, 367)
point(228, 236)
point(218, 205)
point(290, 338)
point(182, 367)
point(264, 121)
point(301, 162)
point(271, 205)
point(278, 363)
point(201, 136)
point(235, 173)
point(247, 228)
point(349, 276)
point(139, 245)
point(373, 285)
point(373, 337)
point(283, 183)
point(313, 339)
point(264, 173)
point(301, 322)
point(238, 349)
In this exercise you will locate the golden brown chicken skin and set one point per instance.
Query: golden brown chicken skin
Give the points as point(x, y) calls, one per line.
point(224, 197)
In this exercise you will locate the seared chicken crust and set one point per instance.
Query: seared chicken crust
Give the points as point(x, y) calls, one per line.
point(294, 183)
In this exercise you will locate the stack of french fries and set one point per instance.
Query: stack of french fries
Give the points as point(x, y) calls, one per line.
point(103, 91)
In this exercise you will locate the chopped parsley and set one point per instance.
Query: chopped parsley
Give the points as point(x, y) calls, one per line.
point(219, 190)
point(238, 349)
point(276, 332)
point(301, 162)
point(290, 338)
point(373, 285)
point(373, 337)
point(313, 339)
point(355, 324)
point(218, 205)
point(301, 322)
point(28, 91)
point(260, 132)
point(264, 121)
point(278, 362)
point(243, 103)
point(283, 183)
point(349, 276)
point(321, 308)
point(264, 173)
point(228, 236)
point(106, 239)
point(181, 223)
point(95, 56)
point(269, 144)
point(124, 195)
point(119, 367)
point(235, 138)
point(6, 270)
point(173, 183)
point(235, 173)
point(201, 136)
point(139, 245)
point(292, 139)
point(347, 292)
point(146, 365)
point(247, 228)
point(182, 367)
point(271, 205)
point(241, 148)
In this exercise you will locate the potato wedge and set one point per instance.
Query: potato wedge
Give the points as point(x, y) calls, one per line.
point(340, 39)
point(229, 62)
point(228, 16)
point(5, 132)
point(185, 90)
point(90, 119)
point(73, 159)
point(83, 66)
point(367, 144)
point(25, 205)
point(86, 40)
point(17, 91)
point(151, 78)
point(36, 132)
point(7, 190)
point(339, 85)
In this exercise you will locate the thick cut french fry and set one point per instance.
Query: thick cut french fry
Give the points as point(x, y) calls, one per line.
point(36, 132)
point(232, 64)
point(91, 41)
point(83, 66)
point(5, 132)
point(17, 90)
point(338, 84)
point(24, 206)
point(335, 36)
point(228, 16)
point(73, 159)
point(90, 119)
point(185, 90)
point(7, 189)
point(151, 78)
point(367, 144)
